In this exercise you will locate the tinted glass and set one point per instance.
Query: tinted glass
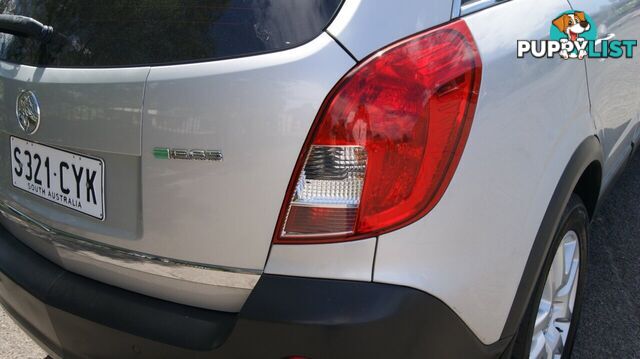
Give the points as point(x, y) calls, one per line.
point(99, 33)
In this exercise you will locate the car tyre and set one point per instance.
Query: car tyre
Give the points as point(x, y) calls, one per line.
point(550, 323)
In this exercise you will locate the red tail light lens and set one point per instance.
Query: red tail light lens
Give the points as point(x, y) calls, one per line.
point(387, 140)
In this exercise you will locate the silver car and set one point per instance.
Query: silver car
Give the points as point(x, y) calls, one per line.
point(308, 178)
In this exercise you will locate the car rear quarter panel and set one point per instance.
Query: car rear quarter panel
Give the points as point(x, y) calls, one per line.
point(471, 250)
point(257, 110)
point(364, 26)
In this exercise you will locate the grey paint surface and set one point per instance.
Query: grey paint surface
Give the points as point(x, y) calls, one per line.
point(469, 251)
point(95, 110)
point(610, 320)
point(347, 261)
point(615, 94)
point(364, 26)
point(160, 282)
point(483, 228)
point(191, 211)
point(257, 111)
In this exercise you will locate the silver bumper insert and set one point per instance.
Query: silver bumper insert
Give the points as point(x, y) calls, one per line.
point(70, 245)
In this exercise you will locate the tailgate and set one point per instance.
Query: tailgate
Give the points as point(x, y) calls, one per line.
point(114, 90)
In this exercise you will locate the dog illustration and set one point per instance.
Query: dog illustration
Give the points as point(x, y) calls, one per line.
point(573, 25)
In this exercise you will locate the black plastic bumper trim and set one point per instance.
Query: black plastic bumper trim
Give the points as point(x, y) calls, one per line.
point(76, 317)
point(162, 321)
point(322, 318)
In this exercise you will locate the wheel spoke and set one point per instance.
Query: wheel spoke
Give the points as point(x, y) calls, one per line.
point(556, 273)
point(554, 342)
point(543, 318)
point(563, 328)
point(538, 347)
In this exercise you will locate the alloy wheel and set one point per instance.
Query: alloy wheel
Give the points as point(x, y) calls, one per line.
point(555, 309)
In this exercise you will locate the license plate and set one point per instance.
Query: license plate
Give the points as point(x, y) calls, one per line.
point(62, 177)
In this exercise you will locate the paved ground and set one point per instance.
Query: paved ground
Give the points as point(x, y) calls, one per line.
point(610, 323)
point(14, 344)
point(610, 326)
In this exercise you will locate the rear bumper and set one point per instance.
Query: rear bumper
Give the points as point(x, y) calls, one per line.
point(75, 317)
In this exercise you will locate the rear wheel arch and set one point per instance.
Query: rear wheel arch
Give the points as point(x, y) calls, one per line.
point(589, 185)
point(582, 176)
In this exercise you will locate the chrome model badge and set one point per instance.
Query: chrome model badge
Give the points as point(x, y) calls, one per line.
point(163, 153)
point(28, 112)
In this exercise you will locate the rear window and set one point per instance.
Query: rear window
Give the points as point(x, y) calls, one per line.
point(99, 33)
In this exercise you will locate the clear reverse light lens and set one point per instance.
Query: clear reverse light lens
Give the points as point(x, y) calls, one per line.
point(328, 191)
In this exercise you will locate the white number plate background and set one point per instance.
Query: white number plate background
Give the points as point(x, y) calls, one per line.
point(71, 180)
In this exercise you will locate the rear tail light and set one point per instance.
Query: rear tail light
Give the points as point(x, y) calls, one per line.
point(386, 141)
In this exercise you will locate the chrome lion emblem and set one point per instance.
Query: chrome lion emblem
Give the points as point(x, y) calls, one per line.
point(28, 112)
